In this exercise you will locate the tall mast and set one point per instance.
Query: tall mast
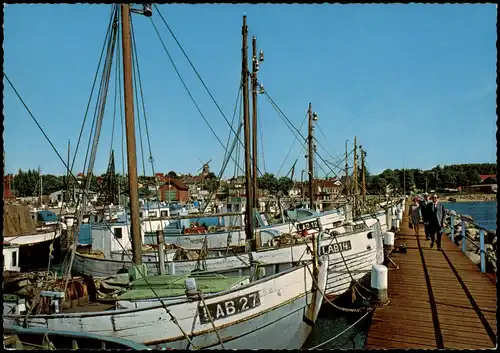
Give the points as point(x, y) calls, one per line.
point(246, 121)
point(355, 177)
point(346, 169)
point(66, 196)
point(255, 68)
point(41, 187)
point(310, 156)
point(404, 176)
point(130, 135)
point(363, 174)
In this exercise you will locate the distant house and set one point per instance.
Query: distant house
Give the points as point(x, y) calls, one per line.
point(295, 191)
point(56, 196)
point(482, 188)
point(324, 191)
point(487, 176)
point(174, 190)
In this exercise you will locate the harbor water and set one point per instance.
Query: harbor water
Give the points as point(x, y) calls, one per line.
point(331, 321)
point(483, 213)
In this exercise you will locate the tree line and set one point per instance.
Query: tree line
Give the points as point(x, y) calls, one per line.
point(27, 183)
point(437, 178)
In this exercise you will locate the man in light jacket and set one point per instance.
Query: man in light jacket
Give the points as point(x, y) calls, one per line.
point(436, 214)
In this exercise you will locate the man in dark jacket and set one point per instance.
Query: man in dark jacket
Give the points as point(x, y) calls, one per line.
point(424, 208)
point(436, 219)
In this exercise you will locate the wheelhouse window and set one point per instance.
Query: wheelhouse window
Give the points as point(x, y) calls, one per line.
point(118, 233)
point(164, 214)
point(14, 258)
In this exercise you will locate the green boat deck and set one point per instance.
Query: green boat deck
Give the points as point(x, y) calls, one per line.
point(173, 286)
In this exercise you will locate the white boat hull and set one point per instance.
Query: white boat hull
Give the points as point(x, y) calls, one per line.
point(34, 249)
point(283, 301)
point(358, 261)
point(223, 240)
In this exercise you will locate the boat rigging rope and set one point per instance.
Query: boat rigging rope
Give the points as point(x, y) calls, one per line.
point(197, 74)
point(135, 61)
point(347, 310)
point(238, 99)
point(326, 139)
point(291, 127)
point(172, 317)
point(190, 95)
point(262, 144)
point(106, 39)
point(344, 331)
point(100, 109)
point(200, 295)
point(138, 87)
point(291, 147)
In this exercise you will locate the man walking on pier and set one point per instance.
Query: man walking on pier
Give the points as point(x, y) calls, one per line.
point(424, 209)
point(436, 218)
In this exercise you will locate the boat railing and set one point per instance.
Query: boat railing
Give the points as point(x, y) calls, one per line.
point(464, 220)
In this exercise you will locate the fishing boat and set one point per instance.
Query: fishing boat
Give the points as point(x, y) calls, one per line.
point(31, 245)
point(284, 305)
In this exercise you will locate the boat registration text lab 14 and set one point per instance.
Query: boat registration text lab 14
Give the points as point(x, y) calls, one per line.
point(336, 247)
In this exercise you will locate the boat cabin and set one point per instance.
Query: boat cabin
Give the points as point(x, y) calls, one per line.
point(11, 257)
point(46, 218)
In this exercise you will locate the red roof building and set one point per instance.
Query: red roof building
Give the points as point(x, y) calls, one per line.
point(486, 176)
point(174, 190)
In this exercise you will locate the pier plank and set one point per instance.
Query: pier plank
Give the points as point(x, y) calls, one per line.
point(464, 299)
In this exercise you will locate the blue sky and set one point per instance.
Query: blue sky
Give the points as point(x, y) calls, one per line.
point(415, 83)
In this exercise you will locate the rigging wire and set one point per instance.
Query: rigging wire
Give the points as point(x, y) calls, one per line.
point(261, 143)
point(289, 122)
point(191, 96)
point(106, 38)
point(291, 147)
point(85, 192)
point(197, 73)
point(37, 123)
point(135, 62)
point(240, 93)
point(122, 104)
point(326, 139)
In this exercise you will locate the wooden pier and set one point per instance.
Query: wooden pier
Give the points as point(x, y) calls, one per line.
point(438, 299)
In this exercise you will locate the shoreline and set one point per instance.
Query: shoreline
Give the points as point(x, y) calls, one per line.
point(460, 198)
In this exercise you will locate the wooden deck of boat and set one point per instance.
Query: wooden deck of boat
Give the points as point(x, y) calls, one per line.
point(438, 299)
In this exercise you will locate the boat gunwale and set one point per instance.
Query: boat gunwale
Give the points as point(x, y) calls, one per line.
point(186, 300)
point(260, 250)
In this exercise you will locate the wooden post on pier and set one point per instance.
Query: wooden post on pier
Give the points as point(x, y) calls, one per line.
point(464, 239)
point(161, 250)
point(482, 250)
